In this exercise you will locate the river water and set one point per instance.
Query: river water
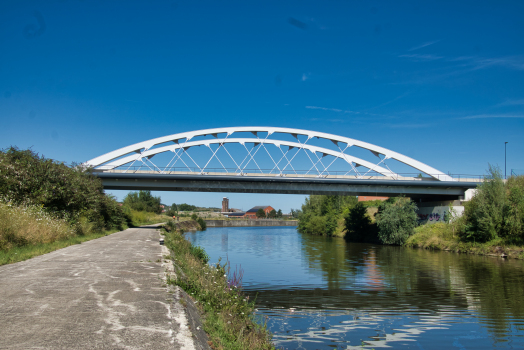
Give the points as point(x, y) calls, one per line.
point(324, 293)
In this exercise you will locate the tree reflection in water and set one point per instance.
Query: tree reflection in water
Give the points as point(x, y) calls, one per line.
point(340, 293)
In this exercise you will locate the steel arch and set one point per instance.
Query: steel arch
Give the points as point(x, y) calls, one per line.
point(138, 151)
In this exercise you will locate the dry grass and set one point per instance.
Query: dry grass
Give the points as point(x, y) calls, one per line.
point(29, 225)
point(27, 231)
point(140, 218)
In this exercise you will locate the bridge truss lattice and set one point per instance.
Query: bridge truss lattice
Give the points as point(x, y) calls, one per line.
point(261, 151)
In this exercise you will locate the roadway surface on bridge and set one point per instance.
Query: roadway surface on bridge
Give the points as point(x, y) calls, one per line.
point(107, 293)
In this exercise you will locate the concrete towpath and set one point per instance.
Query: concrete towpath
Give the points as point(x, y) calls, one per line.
point(107, 293)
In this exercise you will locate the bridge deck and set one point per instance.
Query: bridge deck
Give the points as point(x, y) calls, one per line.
point(414, 188)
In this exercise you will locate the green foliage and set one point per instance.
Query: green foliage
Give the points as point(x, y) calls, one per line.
point(143, 201)
point(279, 213)
point(172, 210)
point(199, 253)
point(396, 220)
point(295, 213)
point(186, 207)
point(497, 210)
point(272, 214)
point(202, 223)
point(170, 225)
point(513, 226)
point(228, 313)
point(261, 213)
point(320, 213)
point(358, 224)
point(69, 192)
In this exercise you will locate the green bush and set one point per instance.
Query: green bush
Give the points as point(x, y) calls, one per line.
point(320, 213)
point(396, 220)
point(358, 225)
point(202, 223)
point(497, 210)
point(513, 220)
point(170, 225)
point(261, 214)
point(199, 253)
point(69, 192)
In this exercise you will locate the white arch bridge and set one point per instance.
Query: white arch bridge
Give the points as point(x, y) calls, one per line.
point(272, 160)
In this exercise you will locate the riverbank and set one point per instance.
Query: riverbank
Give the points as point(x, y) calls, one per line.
point(247, 223)
point(227, 314)
point(440, 236)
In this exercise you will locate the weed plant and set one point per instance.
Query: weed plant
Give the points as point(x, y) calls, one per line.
point(228, 314)
point(22, 225)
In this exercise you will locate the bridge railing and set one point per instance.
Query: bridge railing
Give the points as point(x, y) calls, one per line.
point(296, 173)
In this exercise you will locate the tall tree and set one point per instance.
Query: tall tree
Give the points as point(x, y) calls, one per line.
point(143, 201)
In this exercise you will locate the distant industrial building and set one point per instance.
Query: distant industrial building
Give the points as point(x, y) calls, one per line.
point(237, 213)
point(225, 205)
point(252, 213)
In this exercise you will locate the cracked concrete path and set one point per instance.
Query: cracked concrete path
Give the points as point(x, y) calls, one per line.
point(107, 293)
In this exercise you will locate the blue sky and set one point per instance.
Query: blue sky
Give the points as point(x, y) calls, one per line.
point(439, 81)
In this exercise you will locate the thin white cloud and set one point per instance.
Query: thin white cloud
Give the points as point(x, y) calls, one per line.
point(486, 116)
point(347, 111)
point(327, 120)
point(325, 109)
point(335, 110)
point(421, 57)
point(473, 62)
point(304, 76)
point(518, 102)
point(512, 62)
point(423, 45)
point(408, 126)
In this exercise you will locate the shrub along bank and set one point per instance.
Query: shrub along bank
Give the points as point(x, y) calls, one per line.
point(324, 215)
point(227, 313)
point(493, 221)
point(46, 205)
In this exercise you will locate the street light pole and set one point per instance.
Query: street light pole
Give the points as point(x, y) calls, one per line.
point(505, 144)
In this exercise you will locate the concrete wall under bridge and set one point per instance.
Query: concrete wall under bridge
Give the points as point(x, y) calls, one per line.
point(433, 212)
point(245, 223)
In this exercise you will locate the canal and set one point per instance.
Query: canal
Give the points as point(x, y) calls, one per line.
point(324, 293)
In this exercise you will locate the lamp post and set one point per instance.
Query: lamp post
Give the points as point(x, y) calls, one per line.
point(505, 144)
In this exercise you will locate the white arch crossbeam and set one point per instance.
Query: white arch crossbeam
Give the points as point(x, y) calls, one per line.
point(145, 150)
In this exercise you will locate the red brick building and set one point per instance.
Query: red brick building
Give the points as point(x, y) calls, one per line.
point(371, 198)
point(252, 213)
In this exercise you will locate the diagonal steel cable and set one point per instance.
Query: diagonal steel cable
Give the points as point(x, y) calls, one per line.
point(289, 161)
point(252, 158)
point(238, 167)
point(283, 156)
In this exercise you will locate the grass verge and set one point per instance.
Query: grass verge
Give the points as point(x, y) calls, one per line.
point(227, 313)
point(139, 218)
point(17, 254)
point(441, 236)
